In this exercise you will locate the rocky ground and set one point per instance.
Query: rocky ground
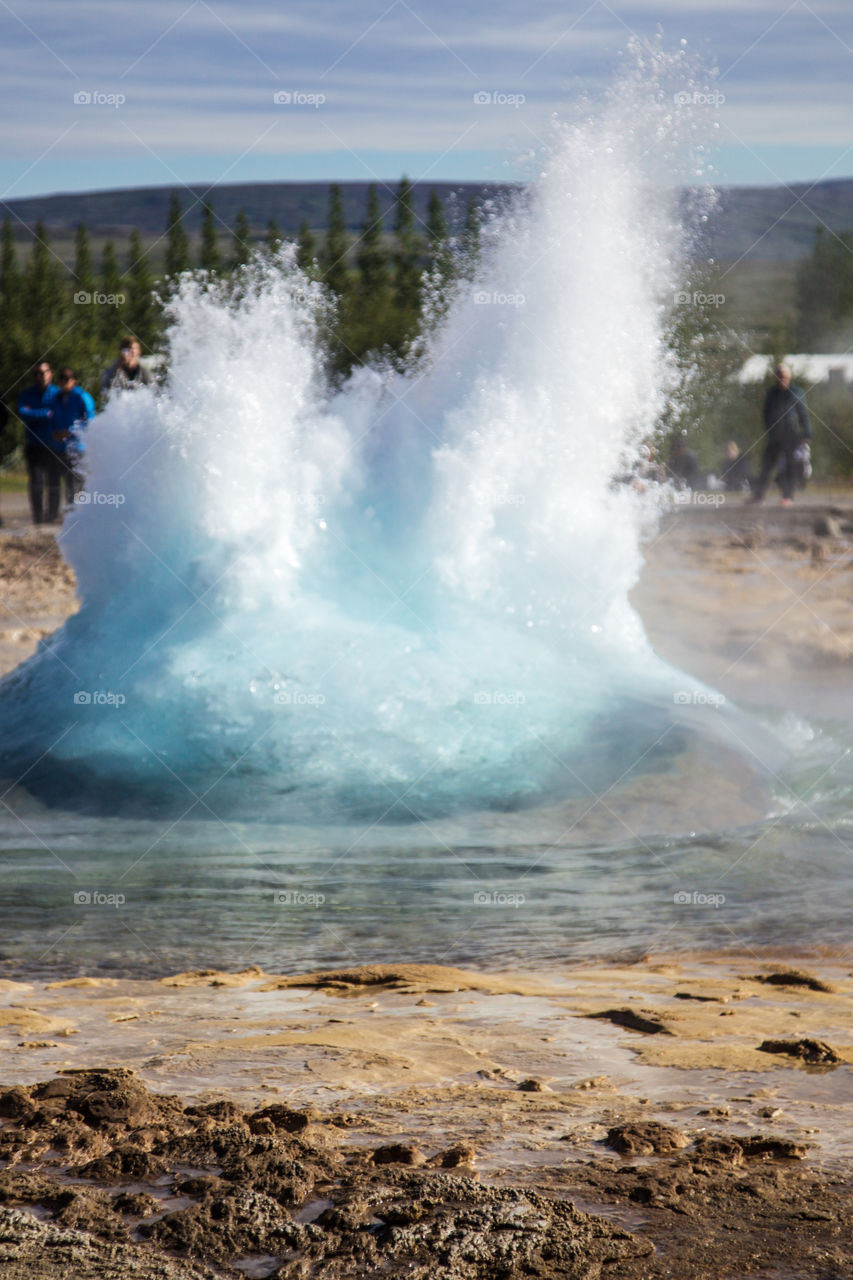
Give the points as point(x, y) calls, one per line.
point(421, 1121)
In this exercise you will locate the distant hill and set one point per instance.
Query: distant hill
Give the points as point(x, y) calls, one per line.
point(771, 224)
point(777, 224)
point(289, 203)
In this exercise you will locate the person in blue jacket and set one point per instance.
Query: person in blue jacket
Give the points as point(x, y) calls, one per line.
point(36, 407)
point(72, 412)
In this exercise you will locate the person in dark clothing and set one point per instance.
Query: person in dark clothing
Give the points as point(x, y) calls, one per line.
point(786, 426)
point(73, 410)
point(127, 372)
point(44, 467)
point(734, 468)
point(683, 465)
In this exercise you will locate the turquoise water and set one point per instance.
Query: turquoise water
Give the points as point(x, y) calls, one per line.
point(355, 675)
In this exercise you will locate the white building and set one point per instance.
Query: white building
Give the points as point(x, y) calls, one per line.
point(808, 370)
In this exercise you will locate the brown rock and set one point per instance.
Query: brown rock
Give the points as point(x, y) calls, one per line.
point(277, 1118)
point(633, 1021)
point(815, 1051)
point(645, 1138)
point(17, 1104)
point(398, 1153)
point(793, 978)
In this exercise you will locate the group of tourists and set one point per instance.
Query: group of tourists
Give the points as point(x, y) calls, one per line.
point(55, 417)
point(785, 456)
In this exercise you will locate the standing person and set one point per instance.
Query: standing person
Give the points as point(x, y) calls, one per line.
point(73, 410)
point(128, 371)
point(786, 427)
point(36, 406)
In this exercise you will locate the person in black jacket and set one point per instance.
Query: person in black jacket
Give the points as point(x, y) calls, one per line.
point(786, 426)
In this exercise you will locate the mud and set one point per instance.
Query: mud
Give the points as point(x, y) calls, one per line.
point(209, 1190)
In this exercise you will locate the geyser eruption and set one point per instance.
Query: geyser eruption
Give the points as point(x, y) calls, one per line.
point(403, 599)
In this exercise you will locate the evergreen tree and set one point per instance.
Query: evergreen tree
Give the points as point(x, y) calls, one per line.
point(241, 244)
point(45, 295)
point(85, 333)
point(142, 313)
point(371, 256)
point(335, 245)
point(306, 249)
point(13, 351)
point(824, 294)
point(470, 240)
point(209, 258)
point(84, 272)
point(273, 237)
point(440, 261)
point(177, 242)
point(110, 315)
point(10, 280)
point(407, 284)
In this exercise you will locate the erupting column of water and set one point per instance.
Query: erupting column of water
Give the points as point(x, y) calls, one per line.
point(408, 598)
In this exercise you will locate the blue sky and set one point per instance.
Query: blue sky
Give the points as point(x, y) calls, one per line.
point(185, 91)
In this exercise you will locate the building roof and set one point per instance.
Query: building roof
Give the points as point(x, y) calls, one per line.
point(808, 369)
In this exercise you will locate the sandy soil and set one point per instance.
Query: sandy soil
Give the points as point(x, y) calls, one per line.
point(754, 602)
point(679, 1117)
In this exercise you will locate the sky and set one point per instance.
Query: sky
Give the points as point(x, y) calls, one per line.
point(120, 94)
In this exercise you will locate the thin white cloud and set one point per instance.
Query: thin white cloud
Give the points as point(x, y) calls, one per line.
point(198, 75)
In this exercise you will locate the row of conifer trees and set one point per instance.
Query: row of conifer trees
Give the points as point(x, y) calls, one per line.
point(76, 313)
